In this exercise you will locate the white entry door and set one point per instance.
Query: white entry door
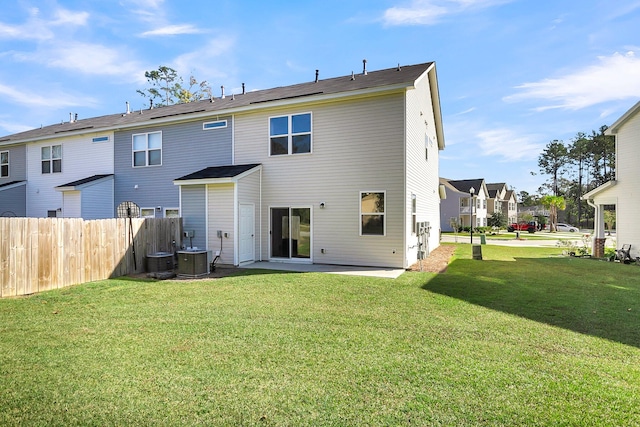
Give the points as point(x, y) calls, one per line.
point(247, 233)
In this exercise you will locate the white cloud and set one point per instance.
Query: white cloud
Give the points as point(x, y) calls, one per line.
point(172, 30)
point(12, 127)
point(86, 58)
point(613, 78)
point(38, 100)
point(37, 28)
point(207, 58)
point(430, 12)
point(507, 145)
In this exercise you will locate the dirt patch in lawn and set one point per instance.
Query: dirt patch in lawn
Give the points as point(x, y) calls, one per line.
point(437, 261)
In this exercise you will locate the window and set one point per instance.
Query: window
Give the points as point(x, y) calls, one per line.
point(290, 134)
point(172, 213)
point(484, 203)
point(100, 139)
point(147, 213)
point(51, 157)
point(413, 214)
point(4, 164)
point(219, 124)
point(147, 149)
point(372, 213)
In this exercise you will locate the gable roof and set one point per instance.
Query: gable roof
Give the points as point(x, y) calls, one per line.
point(465, 185)
point(615, 127)
point(493, 188)
point(389, 79)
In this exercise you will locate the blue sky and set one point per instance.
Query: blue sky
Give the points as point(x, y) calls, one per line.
point(513, 74)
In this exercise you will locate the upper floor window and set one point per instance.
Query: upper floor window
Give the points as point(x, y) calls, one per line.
point(147, 149)
point(219, 124)
point(4, 164)
point(290, 134)
point(372, 213)
point(51, 157)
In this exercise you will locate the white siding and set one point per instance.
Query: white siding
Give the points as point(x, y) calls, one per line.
point(358, 145)
point(221, 213)
point(627, 192)
point(422, 172)
point(249, 192)
point(81, 158)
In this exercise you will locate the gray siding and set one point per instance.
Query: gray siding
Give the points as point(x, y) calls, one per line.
point(13, 201)
point(186, 148)
point(17, 163)
point(97, 200)
point(194, 214)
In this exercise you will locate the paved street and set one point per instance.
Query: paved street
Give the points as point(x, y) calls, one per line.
point(552, 241)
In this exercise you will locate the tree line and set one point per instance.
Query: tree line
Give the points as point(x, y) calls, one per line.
point(573, 169)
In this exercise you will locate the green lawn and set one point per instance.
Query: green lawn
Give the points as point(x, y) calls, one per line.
point(524, 337)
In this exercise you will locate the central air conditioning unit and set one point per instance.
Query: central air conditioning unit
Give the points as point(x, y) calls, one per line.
point(193, 263)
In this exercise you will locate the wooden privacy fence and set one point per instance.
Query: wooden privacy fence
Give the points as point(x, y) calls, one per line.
point(39, 254)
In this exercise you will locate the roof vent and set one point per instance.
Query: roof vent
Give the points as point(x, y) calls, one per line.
point(151, 104)
point(364, 67)
point(243, 92)
point(398, 69)
point(353, 75)
point(222, 88)
point(70, 117)
point(128, 108)
point(317, 74)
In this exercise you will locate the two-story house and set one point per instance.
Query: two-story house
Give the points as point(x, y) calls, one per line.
point(13, 179)
point(339, 170)
point(623, 190)
point(464, 203)
point(502, 200)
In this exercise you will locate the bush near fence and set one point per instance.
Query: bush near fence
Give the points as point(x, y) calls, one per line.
point(39, 254)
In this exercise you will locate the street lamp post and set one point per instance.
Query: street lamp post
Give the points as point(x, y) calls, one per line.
point(471, 193)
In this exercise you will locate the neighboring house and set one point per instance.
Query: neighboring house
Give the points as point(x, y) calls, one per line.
point(623, 190)
point(336, 171)
point(510, 206)
point(458, 207)
point(502, 200)
point(13, 180)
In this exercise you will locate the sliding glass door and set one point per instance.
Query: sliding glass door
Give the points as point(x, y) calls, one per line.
point(291, 233)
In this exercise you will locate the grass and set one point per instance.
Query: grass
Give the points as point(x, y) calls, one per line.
point(523, 337)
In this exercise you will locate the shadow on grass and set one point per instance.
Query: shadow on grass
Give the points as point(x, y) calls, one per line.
point(587, 296)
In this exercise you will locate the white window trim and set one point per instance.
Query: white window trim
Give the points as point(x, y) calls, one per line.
point(290, 134)
point(147, 150)
point(204, 125)
point(5, 164)
point(164, 212)
point(384, 213)
point(50, 159)
point(147, 216)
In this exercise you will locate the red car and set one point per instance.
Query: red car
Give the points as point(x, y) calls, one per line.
point(530, 227)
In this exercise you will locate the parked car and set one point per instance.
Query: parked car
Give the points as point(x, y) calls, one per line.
point(531, 226)
point(566, 227)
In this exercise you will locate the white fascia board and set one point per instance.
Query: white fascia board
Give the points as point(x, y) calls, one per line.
point(598, 190)
point(613, 129)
